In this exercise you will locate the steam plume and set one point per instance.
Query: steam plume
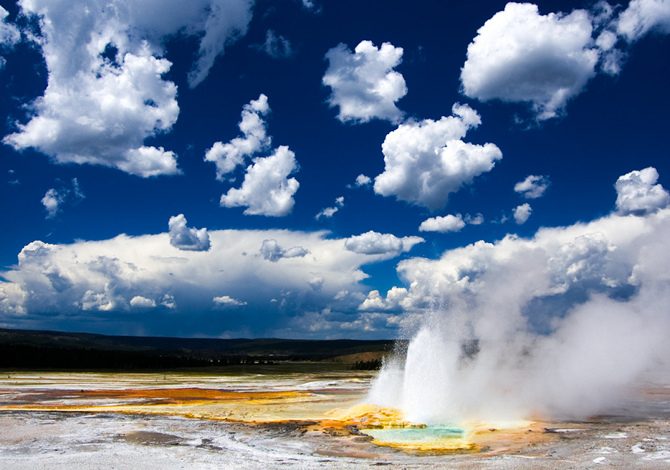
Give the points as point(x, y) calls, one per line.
point(563, 324)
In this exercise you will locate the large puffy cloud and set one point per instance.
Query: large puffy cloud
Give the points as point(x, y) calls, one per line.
point(643, 16)
point(425, 161)
point(266, 189)
point(533, 326)
point(106, 93)
point(521, 55)
point(80, 119)
point(638, 193)
point(184, 237)
point(254, 139)
point(375, 243)
point(363, 83)
point(86, 279)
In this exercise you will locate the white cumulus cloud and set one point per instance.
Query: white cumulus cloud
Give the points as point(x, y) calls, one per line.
point(363, 180)
point(104, 276)
point(532, 187)
point(520, 55)
point(443, 224)
point(394, 300)
point(51, 201)
point(142, 302)
point(638, 193)
point(363, 83)
point(227, 156)
point(54, 198)
point(184, 237)
point(425, 161)
point(266, 189)
point(375, 243)
point(522, 213)
point(106, 93)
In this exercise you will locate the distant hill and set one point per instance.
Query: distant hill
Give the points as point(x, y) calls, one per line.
point(27, 349)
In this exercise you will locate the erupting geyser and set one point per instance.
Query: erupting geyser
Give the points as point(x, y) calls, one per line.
point(565, 324)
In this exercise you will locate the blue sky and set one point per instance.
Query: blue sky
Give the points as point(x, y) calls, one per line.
point(574, 93)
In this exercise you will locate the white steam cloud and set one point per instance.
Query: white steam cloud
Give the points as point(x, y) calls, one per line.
point(562, 324)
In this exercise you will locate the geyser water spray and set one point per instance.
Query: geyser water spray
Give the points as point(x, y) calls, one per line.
point(562, 325)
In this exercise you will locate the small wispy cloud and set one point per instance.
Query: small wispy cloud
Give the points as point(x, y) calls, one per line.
point(54, 199)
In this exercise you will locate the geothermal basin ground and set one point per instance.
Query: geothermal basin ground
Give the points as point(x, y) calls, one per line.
point(293, 416)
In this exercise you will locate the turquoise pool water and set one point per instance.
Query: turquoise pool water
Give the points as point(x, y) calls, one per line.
point(415, 435)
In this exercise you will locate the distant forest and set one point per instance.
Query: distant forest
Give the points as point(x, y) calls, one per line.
point(25, 349)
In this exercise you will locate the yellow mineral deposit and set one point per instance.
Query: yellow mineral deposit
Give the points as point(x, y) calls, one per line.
point(388, 427)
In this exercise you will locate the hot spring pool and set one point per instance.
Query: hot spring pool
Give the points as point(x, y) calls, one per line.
point(424, 438)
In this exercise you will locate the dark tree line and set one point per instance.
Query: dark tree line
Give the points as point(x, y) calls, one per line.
point(374, 364)
point(30, 357)
point(26, 349)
